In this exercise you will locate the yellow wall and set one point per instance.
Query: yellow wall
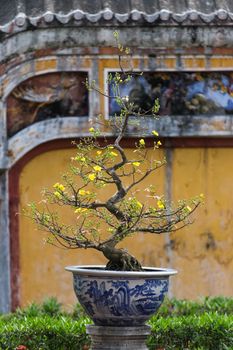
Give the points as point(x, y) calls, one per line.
point(202, 252)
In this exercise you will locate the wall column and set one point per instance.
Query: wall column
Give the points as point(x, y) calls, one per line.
point(5, 275)
point(5, 292)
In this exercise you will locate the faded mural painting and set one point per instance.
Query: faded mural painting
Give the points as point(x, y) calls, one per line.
point(188, 93)
point(47, 96)
point(64, 94)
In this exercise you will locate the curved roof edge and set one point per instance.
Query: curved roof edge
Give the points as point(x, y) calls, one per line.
point(107, 17)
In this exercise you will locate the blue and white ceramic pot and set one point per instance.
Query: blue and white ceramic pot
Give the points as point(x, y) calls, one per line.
point(116, 298)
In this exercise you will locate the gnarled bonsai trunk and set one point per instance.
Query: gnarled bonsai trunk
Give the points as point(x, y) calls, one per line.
point(120, 259)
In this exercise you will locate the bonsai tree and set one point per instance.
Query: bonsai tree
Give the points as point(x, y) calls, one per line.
point(102, 225)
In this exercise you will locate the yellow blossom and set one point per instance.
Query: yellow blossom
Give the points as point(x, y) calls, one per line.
point(83, 192)
point(97, 168)
point(110, 147)
point(155, 133)
point(114, 154)
point(92, 130)
point(160, 204)
point(99, 153)
point(159, 143)
point(136, 163)
point(59, 187)
point(57, 194)
point(80, 210)
point(92, 176)
point(80, 158)
point(189, 208)
point(139, 204)
point(202, 195)
point(142, 142)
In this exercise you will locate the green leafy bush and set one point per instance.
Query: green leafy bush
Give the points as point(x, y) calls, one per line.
point(43, 333)
point(209, 331)
point(180, 325)
point(174, 307)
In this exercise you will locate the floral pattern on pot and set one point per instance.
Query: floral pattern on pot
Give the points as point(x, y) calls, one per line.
point(120, 302)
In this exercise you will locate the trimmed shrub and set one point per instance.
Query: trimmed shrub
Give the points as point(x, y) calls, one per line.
point(209, 331)
point(180, 325)
point(43, 333)
point(174, 307)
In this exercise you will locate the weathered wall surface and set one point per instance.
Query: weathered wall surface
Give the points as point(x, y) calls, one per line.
point(202, 252)
point(198, 149)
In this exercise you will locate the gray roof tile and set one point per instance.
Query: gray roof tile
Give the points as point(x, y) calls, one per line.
point(16, 15)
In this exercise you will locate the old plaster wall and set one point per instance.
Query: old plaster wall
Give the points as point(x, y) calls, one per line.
point(202, 252)
point(198, 152)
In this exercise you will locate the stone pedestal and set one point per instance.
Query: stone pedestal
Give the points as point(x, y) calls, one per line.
point(118, 338)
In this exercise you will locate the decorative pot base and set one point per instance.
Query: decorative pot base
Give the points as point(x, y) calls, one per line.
point(118, 338)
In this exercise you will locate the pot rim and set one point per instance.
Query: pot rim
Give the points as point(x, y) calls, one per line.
point(99, 270)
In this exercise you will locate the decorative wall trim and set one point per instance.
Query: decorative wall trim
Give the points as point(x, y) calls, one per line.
point(34, 67)
point(27, 139)
point(38, 66)
point(72, 127)
point(88, 40)
point(36, 134)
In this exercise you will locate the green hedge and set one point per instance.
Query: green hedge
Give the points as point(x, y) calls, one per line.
point(205, 325)
point(208, 331)
point(173, 307)
point(43, 333)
